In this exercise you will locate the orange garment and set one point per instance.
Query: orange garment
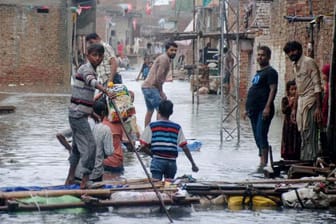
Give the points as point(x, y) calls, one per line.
point(117, 158)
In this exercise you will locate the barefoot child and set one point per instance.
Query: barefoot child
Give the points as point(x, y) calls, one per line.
point(83, 89)
point(291, 140)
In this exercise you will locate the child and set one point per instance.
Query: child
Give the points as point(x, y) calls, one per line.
point(104, 143)
point(113, 165)
point(291, 140)
point(160, 140)
point(144, 71)
point(83, 88)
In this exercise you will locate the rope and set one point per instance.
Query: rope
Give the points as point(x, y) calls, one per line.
point(248, 193)
point(35, 202)
point(299, 199)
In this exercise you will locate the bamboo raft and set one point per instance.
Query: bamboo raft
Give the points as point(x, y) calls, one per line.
point(97, 198)
point(254, 192)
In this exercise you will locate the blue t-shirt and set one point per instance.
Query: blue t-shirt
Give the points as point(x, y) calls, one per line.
point(258, 93)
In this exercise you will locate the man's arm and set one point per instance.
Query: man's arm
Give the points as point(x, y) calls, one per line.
point(114, 67)
point(190, 158)
point(271, 96)
point(109, 94)
point(316, 78)
point(161, 75)
point(318, 112)
point(109, 53)
point(146, 150)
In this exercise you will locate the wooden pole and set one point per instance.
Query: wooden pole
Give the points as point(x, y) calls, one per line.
point(140, 160)
point(91, 192)
point(274, 181)
point(331, 132)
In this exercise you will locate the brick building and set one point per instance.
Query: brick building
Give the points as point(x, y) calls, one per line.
point(34, 44)
point(310, 22)
point(36, 36)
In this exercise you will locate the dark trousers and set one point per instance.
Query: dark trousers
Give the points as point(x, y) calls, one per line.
point(260, 128)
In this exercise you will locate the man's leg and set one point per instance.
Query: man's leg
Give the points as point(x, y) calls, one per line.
point(84, 149)
point(74, 156)
point(152, 100)
point(254, 118)
point(156, 168)
point(263, 128)
point(71, 175)
point(309, 138)
point(61, 138)
point(85, 179)
point(148, 117)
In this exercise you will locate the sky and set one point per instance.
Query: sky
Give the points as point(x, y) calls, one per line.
point(161, 2)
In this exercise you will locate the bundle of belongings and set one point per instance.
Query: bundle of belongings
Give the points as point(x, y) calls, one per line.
point(123, 102)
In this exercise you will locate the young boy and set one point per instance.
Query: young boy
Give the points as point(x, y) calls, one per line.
point(160, 140)
point(104, 143)
point(83, 88)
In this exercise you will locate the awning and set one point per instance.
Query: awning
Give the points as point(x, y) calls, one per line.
point(189, 28)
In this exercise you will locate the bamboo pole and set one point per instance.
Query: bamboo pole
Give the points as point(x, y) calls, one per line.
point(273, 181)
point(91, 192)
point(140, 160)
point(124, 181)
point(235, 192)
point(17, 206)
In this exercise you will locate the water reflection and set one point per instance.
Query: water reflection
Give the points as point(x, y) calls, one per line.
point(31, 155)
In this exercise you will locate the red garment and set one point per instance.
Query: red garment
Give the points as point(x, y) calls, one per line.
point(120, 49)
point(291, 139)
point(116, 159)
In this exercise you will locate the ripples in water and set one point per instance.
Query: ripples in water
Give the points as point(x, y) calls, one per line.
point(31, 155)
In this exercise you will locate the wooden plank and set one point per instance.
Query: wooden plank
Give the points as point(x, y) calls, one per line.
point(16, 206)
point(236, 192)
point(7, 109)
point(273, 181)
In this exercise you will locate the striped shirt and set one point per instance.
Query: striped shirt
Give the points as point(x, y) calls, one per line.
point(83, 89)
point(163, 136)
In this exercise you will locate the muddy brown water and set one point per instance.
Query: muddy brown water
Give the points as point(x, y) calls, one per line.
point(31, 156)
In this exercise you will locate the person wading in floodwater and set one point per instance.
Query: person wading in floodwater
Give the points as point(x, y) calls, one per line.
point(152, 86)
point(260, 102)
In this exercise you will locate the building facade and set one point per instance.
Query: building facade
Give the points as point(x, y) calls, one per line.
point(34, 44)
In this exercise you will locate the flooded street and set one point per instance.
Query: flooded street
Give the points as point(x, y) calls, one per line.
point(30, 155)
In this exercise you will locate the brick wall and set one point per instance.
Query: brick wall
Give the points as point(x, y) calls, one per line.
point(34, 46)
point(285, 31)
point(270, 28)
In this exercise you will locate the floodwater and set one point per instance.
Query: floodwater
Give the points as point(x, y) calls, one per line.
point(31, 155)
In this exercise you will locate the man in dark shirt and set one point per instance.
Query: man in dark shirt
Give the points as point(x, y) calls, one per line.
point(260, 101)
